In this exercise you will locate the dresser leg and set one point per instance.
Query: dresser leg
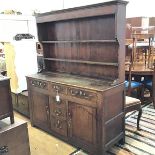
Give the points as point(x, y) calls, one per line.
point(12, 119)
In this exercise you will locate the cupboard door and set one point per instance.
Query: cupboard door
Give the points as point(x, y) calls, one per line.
point(82, 123)
point(40, 110)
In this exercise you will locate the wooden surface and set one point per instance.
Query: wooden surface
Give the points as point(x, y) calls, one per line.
point(85, 82)
point(14, 138)
point(6, 107)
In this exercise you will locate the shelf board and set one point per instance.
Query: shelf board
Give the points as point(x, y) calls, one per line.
point(84, 62)
point(81, 41)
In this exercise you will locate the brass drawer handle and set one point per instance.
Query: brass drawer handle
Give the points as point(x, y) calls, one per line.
point(4, 149)
point(58, 112)
point(22, 103)
point(80, 93)
point(58, 125)
point(88, 96)
point(69, 122)
point(57, 88)
point(74, 93)
point(39, 84)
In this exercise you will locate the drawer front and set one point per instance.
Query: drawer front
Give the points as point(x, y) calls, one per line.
point(82, 94)
point(59, 126)
point(58, 109)
point(39, 84)
point(58, 88)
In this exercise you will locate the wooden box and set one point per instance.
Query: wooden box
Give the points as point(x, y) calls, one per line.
point(20, 103)
point(23, 106)
point(14, 100)
point(6, 107)
point(79, 97)
point(14, 139)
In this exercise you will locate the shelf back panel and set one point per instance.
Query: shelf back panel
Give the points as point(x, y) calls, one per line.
point(82, 35)
point(88, 70)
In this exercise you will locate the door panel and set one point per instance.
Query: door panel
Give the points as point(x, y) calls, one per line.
point(40, 109)
point(82, 123)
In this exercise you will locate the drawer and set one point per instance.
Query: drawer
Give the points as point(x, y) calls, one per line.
point(39, 83)
point(59, 126)
point(58, 88)
point(58, 109)
point(82, 94)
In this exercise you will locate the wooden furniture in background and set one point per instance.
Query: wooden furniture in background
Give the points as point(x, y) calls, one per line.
point(135, 22)
point(152, 24)
point(144, 42)
point(14, 138)
point(139, 29)
point(140, 72)
point(20, 103)
point(131, 85)
point(79, 97)
point(6, 108)
point(132, 104)
point(149, 84)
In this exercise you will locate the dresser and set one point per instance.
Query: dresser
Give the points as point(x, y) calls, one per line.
point(79, 97)
point(6, 107)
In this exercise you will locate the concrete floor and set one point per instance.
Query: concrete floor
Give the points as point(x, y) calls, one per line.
point(41, 143)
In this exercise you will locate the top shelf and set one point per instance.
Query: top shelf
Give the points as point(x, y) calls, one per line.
point(81, 41)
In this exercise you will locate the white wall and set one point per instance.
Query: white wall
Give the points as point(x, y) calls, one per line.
point(144, 8)
point(134, 8)
point(10, 25)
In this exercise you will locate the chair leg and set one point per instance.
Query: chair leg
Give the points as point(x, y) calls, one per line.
point(12, 118)
point(141, 94)
point(138, 118)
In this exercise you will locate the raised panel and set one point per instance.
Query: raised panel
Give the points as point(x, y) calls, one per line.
point(82, 123)
point(40, 109)
point(114, 128)
point(114, 99)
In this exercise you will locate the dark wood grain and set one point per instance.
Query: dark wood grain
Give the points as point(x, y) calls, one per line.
point(15, 138)
point(6, 106)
